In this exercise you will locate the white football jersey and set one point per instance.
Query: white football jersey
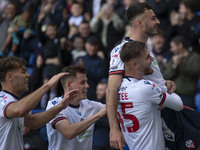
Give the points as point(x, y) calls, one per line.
point(83, 141)
point(139, 114)
point(10, 129)
point(117, 66)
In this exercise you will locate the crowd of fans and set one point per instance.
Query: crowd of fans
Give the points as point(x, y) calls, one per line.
point(51, 34)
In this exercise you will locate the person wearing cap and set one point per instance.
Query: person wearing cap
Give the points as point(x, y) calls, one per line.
point(96, 66)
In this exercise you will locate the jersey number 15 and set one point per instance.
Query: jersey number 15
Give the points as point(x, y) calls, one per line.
point(131, 117)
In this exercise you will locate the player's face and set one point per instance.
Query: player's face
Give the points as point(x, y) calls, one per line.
point(19, 81)
point(81, 83)
point(145, 63)
point(151, 23)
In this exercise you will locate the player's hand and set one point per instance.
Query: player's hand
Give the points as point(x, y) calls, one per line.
point(102, 112)
point(54, 80)
point(116, 139)
point(68, 97)
point(171, 86)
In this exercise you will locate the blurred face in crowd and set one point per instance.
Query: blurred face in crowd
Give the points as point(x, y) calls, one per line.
point(84, 30)
point(174, 48)
point(101, 91)
point(76, 10)
point(91, 48)
point(78, 43)
point(51, 32)
point(183, 11)
point(158, 42)
point(10, 11)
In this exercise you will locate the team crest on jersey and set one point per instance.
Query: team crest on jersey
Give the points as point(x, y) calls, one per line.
point(113, 67)
point(190, 144)
point(146, 82)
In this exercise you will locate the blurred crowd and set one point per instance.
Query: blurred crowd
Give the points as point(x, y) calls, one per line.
point(51, 34)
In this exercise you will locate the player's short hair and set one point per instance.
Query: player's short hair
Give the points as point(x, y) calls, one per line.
point(131, 50)
point(72, 70)
point(135, 10)
point(8, 64)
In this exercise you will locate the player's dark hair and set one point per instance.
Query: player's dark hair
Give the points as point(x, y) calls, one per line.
point(135, 10)
point(72, 70)
point(131, 50)
point(8, 64)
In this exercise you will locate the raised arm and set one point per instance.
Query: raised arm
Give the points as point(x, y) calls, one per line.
point(116, 137)
point(70, 131)
point(25, 105)
point(37, 120)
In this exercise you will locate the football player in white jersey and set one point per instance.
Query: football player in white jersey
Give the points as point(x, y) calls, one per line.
point(143, 24)
point(14, 113)
point(139, 100)
point(73, 127)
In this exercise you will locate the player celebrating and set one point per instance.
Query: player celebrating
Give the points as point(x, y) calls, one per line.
point(138, 109)
point(143, 23)
point(73, 127)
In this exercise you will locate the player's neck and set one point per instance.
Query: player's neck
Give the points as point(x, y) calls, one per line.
point(139, 36)
point(136, 76)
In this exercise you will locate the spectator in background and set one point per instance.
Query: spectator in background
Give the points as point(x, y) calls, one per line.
point(96, 66)
point(52, 57)
point(78, 47)
point(183, 69)
point(76, 14)
point(160, 49)
point(18, 26)
point(9, 13)
point(101, 129)
point(109, 26)
point(186, 23)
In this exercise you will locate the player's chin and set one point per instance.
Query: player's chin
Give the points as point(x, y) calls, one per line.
point(149, 71)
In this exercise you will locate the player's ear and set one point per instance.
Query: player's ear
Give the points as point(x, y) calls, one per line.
point(9, 76)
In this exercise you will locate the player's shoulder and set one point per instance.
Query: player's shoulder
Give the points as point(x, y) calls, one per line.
point(5, 97)
point(54, 102)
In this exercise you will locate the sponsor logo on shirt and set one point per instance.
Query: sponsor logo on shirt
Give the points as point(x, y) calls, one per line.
point(54, 102)
point(85, 135)
point(2, 95)
point(116, 49)
point(122, 88)
point(190, 144)
point(154, 63)
point(116, 55)
point(114, 67)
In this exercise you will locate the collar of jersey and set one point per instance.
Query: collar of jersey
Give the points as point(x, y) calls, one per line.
point(11, 94)
point(129, 78)
point(74, 106)
point(127, 39)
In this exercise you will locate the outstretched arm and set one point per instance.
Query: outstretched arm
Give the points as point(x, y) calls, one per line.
point(37, 120)
point(116, 137)
point(25, 105)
